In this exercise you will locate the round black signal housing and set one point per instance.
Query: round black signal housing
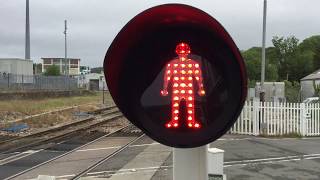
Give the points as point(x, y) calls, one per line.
point(175, 73)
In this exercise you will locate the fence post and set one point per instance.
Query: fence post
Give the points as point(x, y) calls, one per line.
point(39, 80)
point(255, 117)
point(8, 80)
point(22, 81)
point(303, 126)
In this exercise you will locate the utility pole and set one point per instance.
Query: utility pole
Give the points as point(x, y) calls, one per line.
point(65, 48)
point(263, 63)
point(103, 92)
point(27, 43)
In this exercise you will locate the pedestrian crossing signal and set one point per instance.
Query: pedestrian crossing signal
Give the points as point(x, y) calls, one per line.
point(181, 71)
point(175, 73)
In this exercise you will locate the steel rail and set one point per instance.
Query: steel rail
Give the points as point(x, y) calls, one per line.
point(41, 133)
point(69, 133)
point(84, 172)
point(65, 154)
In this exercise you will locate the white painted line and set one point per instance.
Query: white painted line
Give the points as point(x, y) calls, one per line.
point(234, 139)
point(249, 162)
point(266, 138)
point(65, 176)
point(116, 147)
point(264, 162)
point(18, 156)
point(261, 160)
point(307, 155)
point(253, 138)
point(272, 160)
point(98, 149)
point(140, 145)
point(121, 171)
point(127, 170)
point(57, 157)
point(310, 138)
point(312, 158)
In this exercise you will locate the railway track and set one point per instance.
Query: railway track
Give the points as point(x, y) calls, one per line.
point(89, 164)
point(98, 118)
point(106, 158)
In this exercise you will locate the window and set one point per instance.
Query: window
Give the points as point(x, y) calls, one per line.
point(74, 61)
point(46, 61)
point(56, 61)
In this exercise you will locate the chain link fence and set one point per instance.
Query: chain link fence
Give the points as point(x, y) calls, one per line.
point(37, 82)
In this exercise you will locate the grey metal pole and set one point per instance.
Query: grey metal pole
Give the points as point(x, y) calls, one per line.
point(263, 62)
point(65, 48)
point(27, 45)
point(8, 80)
point(102, 92)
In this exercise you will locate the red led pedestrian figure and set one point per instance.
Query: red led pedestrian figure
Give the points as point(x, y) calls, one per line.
point(182, 72)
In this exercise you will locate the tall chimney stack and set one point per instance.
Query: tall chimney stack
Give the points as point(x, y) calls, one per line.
point(27, 46)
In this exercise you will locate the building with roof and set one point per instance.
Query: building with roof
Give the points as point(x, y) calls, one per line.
point(307, 89)
point(16, 66)
point(71, 66)
point(274, 91)
point(92, 81)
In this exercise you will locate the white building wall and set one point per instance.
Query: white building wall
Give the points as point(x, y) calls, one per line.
point(84, 80)
point(16, 66)
point(307, 89)
point(5, 67)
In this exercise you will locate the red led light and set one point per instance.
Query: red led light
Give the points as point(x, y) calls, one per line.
point(184, 70)
point(183, 49)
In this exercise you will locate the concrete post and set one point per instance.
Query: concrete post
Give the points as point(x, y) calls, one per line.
point(263, 60)
point(255, 117)
point(215, 164)
point(190, 164)
point(303, 121)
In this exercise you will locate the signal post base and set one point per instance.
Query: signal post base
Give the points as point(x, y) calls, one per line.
point(201, 163)
point(190, 163)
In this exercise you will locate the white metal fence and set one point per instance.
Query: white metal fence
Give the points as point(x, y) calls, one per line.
point(36, 82)
point(271, 119)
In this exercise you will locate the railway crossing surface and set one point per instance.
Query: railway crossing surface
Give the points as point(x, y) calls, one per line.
point(246, 157)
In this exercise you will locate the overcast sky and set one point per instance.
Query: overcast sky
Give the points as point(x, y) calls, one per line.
point(94, 23)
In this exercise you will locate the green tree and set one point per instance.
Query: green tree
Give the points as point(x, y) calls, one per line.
point(316, 58)
point(52, 71)
point(292, 91)
point(252, 59)
point(272, 72)
point(300, 65)
point(286, 49)
point(310, 43)
point(311, 46)
point(287, 60)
